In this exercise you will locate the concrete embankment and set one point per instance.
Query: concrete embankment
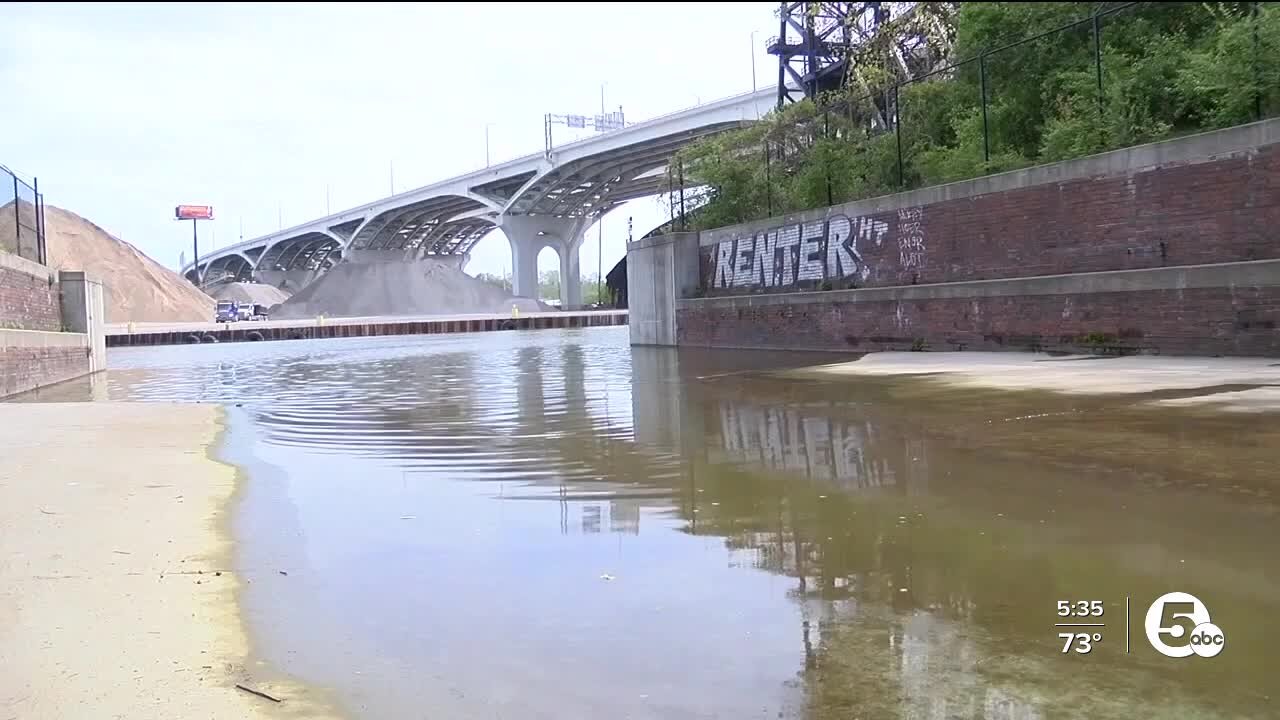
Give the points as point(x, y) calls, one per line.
point(118, 594)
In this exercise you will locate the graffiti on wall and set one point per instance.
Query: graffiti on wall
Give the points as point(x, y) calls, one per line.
point(910, 238)
point(810, 252)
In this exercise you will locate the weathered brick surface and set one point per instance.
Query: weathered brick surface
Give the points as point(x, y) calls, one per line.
point(1207, 321)
point(1222, 210)
point(23, 368)
point(27, 302)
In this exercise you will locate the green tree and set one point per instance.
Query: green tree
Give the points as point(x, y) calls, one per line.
point(503, 281)
point(1167, 69)
point(549, 285)
point(594, 291)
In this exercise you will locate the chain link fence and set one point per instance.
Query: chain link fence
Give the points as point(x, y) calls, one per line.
point(21, 217)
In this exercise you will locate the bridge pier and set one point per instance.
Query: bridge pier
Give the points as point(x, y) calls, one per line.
point(528, 234)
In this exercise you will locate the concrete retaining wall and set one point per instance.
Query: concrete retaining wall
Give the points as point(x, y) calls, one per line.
point(659, 271)
point(83, 311)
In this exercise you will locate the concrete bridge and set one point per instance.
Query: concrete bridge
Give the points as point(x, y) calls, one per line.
point(543, 200)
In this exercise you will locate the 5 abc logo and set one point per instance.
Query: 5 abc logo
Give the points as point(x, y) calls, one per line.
point(1178, 625)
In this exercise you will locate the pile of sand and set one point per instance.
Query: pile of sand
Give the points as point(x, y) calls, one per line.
point(257, 293)
point(137, 288)
point(420, 287)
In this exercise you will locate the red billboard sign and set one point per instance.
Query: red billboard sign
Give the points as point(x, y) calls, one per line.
point(193, 212)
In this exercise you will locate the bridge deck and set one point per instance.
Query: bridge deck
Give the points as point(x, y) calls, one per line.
point(249, 331)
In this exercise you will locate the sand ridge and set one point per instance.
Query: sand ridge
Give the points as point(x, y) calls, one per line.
point(136, 287)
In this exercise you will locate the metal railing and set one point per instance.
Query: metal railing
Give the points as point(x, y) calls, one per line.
point(21, 217)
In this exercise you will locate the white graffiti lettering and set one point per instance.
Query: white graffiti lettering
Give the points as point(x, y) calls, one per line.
point(762, 271)
point(910, 238)
point(842, 259)
point(814, 251)
point(812, 265)
point(724, 265)
point(743, 261)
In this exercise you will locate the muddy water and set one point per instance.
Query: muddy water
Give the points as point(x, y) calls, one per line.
point(556, 525)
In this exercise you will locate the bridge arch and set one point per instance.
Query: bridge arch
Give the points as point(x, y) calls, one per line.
point(415, 226)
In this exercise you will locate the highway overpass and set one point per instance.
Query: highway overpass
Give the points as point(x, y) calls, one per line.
point(542, 200)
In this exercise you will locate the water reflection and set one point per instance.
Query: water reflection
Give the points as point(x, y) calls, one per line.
point(454, 509)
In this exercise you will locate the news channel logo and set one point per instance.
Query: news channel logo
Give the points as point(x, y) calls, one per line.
point(1178, 625)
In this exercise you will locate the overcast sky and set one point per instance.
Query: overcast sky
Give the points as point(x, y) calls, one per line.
point(124, 111)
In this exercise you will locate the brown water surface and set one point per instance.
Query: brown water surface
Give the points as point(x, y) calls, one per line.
point(555, 525)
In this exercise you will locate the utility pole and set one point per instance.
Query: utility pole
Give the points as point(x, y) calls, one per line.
point(753, 60)
point(600, 233)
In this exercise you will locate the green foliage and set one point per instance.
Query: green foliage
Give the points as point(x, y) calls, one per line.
point(549, 285)
point(593, 292)
point(1096, 338)
point(1167, 69)
point(503, 282)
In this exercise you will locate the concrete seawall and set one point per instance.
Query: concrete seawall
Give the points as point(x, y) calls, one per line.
point(338, 328)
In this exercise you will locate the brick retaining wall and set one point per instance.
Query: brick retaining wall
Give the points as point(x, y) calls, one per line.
point(27, 368)
point(988, 263)
point(1198, 321)
point(29, 298)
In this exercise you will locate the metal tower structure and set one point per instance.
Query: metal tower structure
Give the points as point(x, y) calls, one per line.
point(814, 42)
point(821, 46)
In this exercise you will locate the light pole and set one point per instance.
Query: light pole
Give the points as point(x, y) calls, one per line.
point(486, 144)
point(753, 60)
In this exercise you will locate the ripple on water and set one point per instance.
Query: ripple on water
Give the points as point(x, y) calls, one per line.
point(484, 405)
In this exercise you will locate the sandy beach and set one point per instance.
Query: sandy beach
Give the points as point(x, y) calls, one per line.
point(1223, 384)
point(118, 596)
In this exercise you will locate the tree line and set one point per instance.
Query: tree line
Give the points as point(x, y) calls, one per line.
point(1140, 72)
point(594, 290)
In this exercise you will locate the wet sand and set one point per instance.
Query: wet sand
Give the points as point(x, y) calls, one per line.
point(1229, 384)
point(118, 594)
